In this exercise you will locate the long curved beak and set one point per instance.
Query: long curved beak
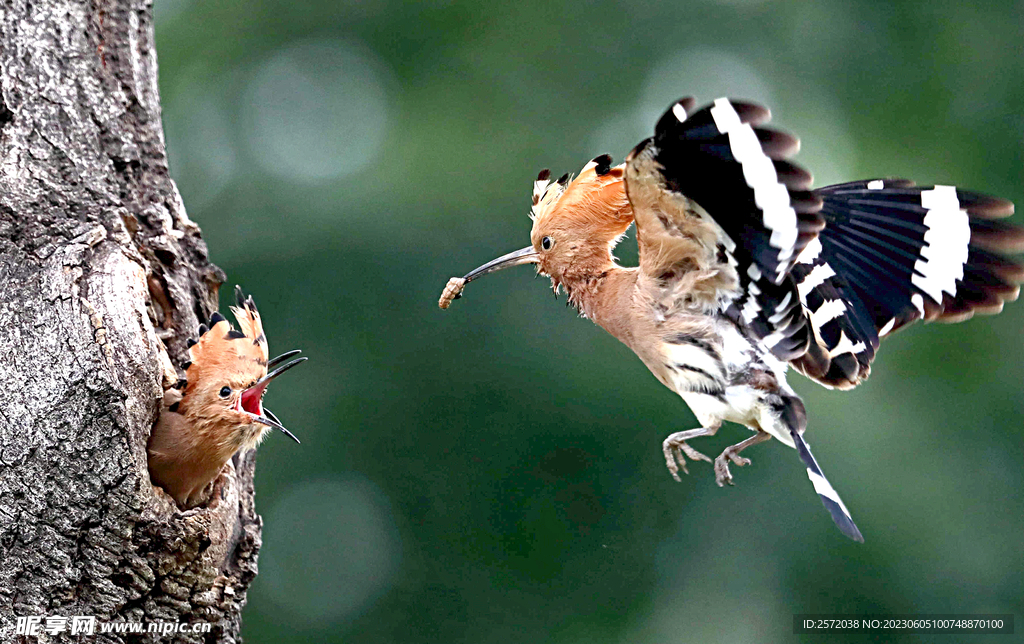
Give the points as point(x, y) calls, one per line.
point(281, 358)
point(272, 421)
point(262, 383)
point(522, 256)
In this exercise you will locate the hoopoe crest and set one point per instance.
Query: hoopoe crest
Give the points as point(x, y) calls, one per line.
point(217, 410)
point(745, 270)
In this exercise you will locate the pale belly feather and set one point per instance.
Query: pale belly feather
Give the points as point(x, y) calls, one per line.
point(712, 384)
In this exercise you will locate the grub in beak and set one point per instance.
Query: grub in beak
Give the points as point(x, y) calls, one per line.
point(453, 290)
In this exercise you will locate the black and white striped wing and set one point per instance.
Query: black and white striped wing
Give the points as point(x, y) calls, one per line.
point(892, 253)
point(734, 171)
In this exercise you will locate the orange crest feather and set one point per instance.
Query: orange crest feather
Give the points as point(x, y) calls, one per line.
point(596, 199)
point(251, 325)
point(223, 354)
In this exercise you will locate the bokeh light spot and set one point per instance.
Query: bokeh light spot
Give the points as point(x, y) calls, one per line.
point(702, 72)
point(318, 110)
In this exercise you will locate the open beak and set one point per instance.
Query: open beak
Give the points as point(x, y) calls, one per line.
point(522, 256)
point(251, 400)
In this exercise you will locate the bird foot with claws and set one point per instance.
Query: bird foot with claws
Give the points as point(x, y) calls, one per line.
point(676, 451)
point(722, 474)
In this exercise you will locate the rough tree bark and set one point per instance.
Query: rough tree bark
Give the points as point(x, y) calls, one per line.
point(102, 279)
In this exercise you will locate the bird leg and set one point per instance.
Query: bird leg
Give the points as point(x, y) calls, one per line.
point(675, 447)
point(732, 453)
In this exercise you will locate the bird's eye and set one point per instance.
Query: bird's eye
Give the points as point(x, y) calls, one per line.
point(225, 392)
point(547, 243)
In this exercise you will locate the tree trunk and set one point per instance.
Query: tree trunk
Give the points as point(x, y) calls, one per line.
point(103, 278)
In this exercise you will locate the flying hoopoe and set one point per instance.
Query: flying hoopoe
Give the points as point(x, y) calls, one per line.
point(217, 409)
point(744, 268)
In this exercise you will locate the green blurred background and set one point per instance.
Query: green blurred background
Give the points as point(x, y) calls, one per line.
point(493, 473)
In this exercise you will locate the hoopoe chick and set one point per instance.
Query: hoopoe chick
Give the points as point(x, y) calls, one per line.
point(217, 410)
point(744, 269)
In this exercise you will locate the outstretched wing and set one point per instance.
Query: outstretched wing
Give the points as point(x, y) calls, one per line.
point(711, 192)
point(818, 276)
point(892, 253)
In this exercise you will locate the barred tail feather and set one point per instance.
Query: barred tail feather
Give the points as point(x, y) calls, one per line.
point(829, 497)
